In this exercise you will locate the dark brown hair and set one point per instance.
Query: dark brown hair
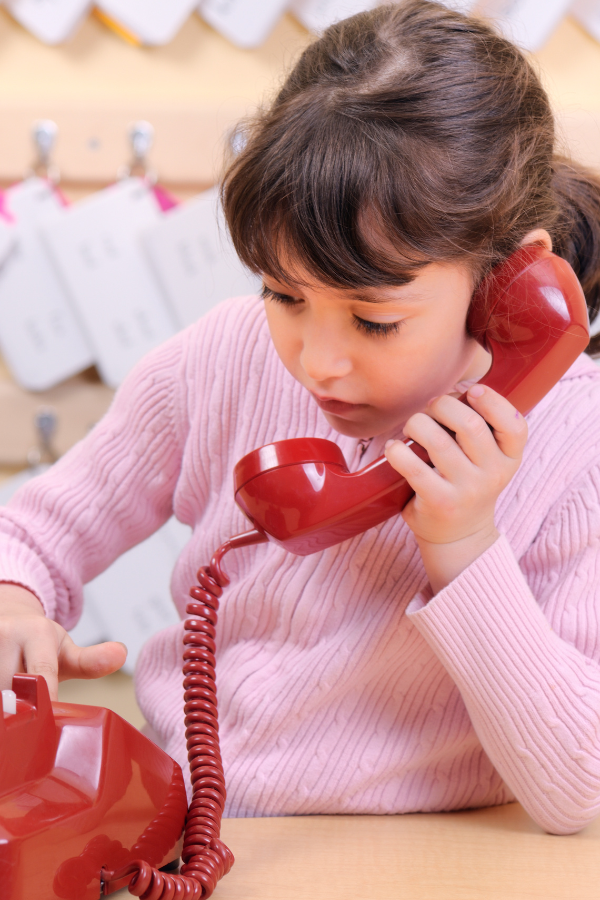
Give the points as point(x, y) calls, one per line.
point(415, 128)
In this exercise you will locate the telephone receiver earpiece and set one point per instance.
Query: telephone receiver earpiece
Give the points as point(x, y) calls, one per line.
point(529, 313)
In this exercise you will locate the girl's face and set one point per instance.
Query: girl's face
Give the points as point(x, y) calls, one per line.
point(373, 357)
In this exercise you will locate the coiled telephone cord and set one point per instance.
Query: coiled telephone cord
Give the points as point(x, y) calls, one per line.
point(205, 857)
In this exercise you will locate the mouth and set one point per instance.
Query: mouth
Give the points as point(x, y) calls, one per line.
point(336, 407)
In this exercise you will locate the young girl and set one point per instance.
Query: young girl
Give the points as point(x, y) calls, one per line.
point(450, 657)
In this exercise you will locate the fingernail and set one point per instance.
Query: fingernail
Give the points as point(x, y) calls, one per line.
point(433, 399)
point(389, 443)
point(463, 386)
point(477, 390)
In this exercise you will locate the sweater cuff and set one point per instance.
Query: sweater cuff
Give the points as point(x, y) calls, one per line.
point(22, 566)
point(483, 618)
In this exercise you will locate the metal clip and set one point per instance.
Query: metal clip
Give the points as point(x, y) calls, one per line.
point(45, 427)
point(238, 138)
point(141, 139)
point(44, 133)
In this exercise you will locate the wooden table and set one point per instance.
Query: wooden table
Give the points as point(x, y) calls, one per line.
point(489, 854)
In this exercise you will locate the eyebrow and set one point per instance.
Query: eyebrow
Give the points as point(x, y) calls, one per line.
point(361, 297)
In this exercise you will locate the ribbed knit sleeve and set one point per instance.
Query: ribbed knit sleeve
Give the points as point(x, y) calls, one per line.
point(111, 491)
point(522, 644)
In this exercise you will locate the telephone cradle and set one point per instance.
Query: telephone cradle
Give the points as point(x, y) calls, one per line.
point(87, 804)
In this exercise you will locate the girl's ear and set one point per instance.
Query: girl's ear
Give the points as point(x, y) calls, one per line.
point(538, 236)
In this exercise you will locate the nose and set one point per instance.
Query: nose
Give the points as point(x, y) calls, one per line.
point(323, 356)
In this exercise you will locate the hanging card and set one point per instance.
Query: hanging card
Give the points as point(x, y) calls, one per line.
point(152, 22)
point(131, 600)
point(246, 23)
point(529, 23)
point(96, 248)
point(52, 21)
point(317, 15)
point(7, 239)
point(587, 13)
point(194, 258)
point(40, 337)
point(462, 6)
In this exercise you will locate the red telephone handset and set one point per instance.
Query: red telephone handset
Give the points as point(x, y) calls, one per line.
point(86, 803)
point(530, 314)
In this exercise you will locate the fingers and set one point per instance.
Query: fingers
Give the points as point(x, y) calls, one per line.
point(510, 427)
point(457, 498)
point(479, 444)
point(445, 453)
point(90, 662)
point(11, 660)
point(475, 449)
point(421, 477)
point(40, 652)
point(39, 646)
point(19, 611)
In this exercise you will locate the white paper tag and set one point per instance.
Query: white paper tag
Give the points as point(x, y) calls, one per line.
point(40, 337)
point(96, 247)
point(317, 15)
point(246, 23)
point(7, 239)
point(587, 13)
point(461, 6)
point(154, 22)
point(194, 259)
point(52, 21)
point(529, 23)
point(131, 600)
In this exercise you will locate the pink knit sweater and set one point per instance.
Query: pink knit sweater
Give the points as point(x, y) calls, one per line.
point(341, 688)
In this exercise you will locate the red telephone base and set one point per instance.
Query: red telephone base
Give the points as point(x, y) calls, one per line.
point(80, 790)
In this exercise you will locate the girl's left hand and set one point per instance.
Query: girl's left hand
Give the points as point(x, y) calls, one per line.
point(455, 502)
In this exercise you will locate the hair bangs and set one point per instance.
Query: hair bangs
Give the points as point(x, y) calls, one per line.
point(315, 209)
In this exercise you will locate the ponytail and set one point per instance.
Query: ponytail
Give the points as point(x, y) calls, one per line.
point(576, 234)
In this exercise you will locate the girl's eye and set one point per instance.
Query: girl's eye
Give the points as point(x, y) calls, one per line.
point(267, 294)
point(380, 328)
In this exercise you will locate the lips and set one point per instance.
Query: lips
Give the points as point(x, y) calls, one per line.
point(337, 407)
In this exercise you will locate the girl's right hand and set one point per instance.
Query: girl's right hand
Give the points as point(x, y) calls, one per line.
point(32, 643)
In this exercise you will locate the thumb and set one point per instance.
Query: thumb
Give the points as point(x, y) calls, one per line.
point(89, 662)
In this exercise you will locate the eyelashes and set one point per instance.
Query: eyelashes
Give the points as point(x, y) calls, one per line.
point(267, 294)
point(380, 329)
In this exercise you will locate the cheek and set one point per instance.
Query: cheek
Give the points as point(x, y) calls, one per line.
point(417, 366)
point(277, 326)
point(284, 336)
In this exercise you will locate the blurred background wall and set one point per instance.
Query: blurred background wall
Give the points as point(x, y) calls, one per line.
point(196, 87)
